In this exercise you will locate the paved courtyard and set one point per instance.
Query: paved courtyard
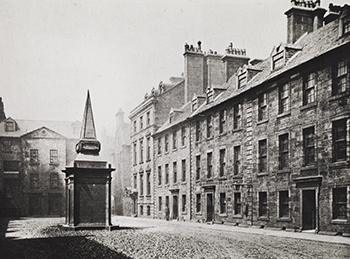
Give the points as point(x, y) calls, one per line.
point(147, 238)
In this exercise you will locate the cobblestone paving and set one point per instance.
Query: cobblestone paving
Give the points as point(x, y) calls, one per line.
point(43, 238)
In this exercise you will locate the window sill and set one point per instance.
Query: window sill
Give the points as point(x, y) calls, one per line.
point(308, 106)
point(262, 122)
point(148, 196)
point(284, 219)
point(34, 163)
point(184, 213)
point(263, 218)
point(209, 138)
point(199, 213)
point(223, 215)
point(174, 149)
point(55, 164)
point(338, 96)
point(237, 130)
point(339, 164)
point(237, 176)
point(263, 174)
point(237, 216)
point(283, 171)
point(308, 168)
point(183, 183)
point(285, 114)
point(339, 221)
point(222, 178)
point(222, 134)
point(184, 146)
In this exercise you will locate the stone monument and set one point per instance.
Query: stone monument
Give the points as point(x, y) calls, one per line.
point(88, 181)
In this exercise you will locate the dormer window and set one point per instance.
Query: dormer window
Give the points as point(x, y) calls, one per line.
point(210, 95)
point(242, 79)
point(10, 126)
point(278, 60)
point(194, 104)
point(346, 25)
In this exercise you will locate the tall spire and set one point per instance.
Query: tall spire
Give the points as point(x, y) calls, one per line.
point(88, 126)
point(88, 143)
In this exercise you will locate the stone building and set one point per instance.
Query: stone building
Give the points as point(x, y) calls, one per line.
point(121, 180)
point(201, 69)
point(145, 119)
point(32, 156)
point(270, 146)
point(172, 166)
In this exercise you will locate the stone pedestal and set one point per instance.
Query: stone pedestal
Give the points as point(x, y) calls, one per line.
point(88, 181)
point(88, 194)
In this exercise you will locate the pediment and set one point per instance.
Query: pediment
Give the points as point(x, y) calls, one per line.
point(43, 132)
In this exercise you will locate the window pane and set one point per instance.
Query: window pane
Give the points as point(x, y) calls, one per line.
point(339, 203)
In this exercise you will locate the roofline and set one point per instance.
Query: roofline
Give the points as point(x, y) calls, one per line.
point(272, 78)
point(41, 128)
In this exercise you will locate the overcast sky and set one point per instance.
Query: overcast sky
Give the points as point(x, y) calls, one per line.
point(52, 51)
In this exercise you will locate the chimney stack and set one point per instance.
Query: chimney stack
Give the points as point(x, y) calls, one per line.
point(303, 17)
point(2, 111)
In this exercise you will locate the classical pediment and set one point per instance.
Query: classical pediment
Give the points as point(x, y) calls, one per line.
point(43, 132)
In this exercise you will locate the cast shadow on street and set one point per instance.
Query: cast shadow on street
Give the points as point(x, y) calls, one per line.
point(52, 247)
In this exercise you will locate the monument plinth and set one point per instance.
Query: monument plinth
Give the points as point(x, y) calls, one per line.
point(88, 181)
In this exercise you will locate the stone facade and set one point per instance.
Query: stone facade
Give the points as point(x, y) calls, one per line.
point(270, 146)
point(33, 154)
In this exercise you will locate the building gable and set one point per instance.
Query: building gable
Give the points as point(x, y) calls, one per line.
point(43, 132)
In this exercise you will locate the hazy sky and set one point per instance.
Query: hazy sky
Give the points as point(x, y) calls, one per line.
point(52, 51)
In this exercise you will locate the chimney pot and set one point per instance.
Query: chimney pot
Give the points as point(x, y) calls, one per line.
point(199, 45)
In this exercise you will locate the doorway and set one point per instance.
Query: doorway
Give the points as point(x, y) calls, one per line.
point(54, 204)
point(34, 204)
point(210, 207)
point(309, 209)
point(175, 207)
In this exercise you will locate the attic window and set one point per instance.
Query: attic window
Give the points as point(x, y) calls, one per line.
point(194, 104)
point(171, 118)
point(210, 95)
point(10, 126)
point(346, 25)
point(278, 60)
point(242, 79)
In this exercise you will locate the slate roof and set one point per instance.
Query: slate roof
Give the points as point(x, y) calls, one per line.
point(312, 45)
point(64, 128)
point(186, 112)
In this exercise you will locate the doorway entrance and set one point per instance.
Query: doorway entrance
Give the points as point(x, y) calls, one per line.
point(210, 207)
point(34, 204)
point(175, 207)
point(308, 209)
point(55, 204)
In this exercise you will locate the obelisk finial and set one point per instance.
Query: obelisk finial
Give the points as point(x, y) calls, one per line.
point(88, 143)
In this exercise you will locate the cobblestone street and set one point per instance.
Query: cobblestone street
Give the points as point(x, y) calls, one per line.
point(147, 238)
